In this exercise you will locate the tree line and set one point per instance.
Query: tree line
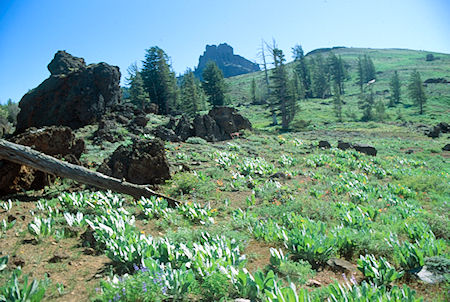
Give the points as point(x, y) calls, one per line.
point(156, 83)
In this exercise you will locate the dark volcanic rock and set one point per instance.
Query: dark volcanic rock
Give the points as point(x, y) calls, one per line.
point(143, 162)
point(324, 144)
point(369, 150)
point(435, 132)
point(165, 134)
point(229, 121)
point(446, 147)
point(74, 95)
point(184, 128)
point(226, 60)
point(343, 145)
point(64, 63)
point(55, 141)
point(206, 127)
point(436, 81)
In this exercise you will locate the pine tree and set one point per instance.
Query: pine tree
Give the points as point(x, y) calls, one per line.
point(416, 90)
point(366, 70)
point(137, 93)
point(283, 95)
point(337, 103)
point(361, 76)
point(253, 91)
point(213, 84)
point(191, 97)
point(366, 103)
point(302, 69)
point(159, 80)
point(337, 71)
point(320, 83)
point(395, 90)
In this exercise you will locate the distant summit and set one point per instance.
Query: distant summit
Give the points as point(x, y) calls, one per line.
point(226, 60)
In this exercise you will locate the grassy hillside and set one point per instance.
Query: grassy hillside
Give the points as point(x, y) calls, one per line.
point(265, 216)
point(386, 61)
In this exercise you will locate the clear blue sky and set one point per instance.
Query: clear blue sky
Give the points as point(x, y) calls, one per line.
point(118, 32)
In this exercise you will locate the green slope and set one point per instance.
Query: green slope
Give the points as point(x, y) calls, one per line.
point(316, 112)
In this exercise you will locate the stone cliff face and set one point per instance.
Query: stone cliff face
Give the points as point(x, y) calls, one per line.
point(226, 60)
point(74, 95)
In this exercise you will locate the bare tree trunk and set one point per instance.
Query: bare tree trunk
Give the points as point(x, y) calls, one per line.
point(26, 156)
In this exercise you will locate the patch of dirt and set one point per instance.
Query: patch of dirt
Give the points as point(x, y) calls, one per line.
point(258, 255)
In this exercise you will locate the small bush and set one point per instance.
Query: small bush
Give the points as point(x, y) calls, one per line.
point(196, 140)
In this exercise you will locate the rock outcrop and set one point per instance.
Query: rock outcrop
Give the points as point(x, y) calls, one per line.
point(74, 95)
point(143, 162)
point(226, 60)
point(221, 123)
point(58, 142)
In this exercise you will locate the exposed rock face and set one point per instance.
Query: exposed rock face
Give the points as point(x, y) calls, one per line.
point(226, 60)
point(55, 141)
point(74, 95)
point(143, 162)
point(218, 125)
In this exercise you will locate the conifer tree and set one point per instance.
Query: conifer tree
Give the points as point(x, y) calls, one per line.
point(395, 90)
point(366, 103)
point(283, 95)
point(416, 90)
point(320, 84)
point(337, 71)
point(159, 80)
point(337, 103)
point(138, 95)
point(302, 69)
point(191, 96)
point(213, 84)
point(253, 91)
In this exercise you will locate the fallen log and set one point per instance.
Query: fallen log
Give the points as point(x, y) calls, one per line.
point(23, 155)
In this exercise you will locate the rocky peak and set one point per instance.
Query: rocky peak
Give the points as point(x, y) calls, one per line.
point(64, 63)
point(226, 60)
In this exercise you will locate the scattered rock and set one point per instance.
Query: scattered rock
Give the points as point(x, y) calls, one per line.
point(324, 144)
point(206, 128)
point(435, 132)
point(165, 134)
point(446, 147)
point(17, 261)
point(409, 151)
point(140, 120)
point(341, 266)
point(143, 162)
point(58, 257)
point(436, 81)
point(369, 150)
point(74, 95)
point(343, 145)
point(280, 175)
point(58, 142)
point(313, 283)
point(184, 128)
point(430, 277)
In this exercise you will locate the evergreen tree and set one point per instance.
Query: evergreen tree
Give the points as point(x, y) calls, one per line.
point(213, 84)
point(137, 93)
point(366, 103)
point(159, 80)
point(253, 91)
point(416, 90)
point(191, 97)
point(302, 69)
point(395, 90)
point(283, 95)
point(366, 70)
point(320, 83)
point(337, 103)
point(337, 71)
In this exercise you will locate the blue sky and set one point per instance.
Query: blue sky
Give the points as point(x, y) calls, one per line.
point(118, 32)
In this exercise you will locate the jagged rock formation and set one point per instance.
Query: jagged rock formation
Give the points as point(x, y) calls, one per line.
point(219, 124)
point(58, 142)
point(226, 60)
point(74, 95)
point(143, 162)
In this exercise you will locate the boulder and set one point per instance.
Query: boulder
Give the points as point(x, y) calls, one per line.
point(206, 127)
point(369, 150)
point(143, 162)
point(229, 121)
point(58, 142)
point(343, 145)
point(140, 120)
point(435, 132)
point(165, 134)
point(74, 95)
point(445, 128)
point(341, 266)
point(106, 131)
point(324, 144)
point(184, 128)
point(446, 147)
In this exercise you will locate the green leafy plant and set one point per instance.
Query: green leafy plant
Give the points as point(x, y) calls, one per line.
point(380, 272)
point(14, 290)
